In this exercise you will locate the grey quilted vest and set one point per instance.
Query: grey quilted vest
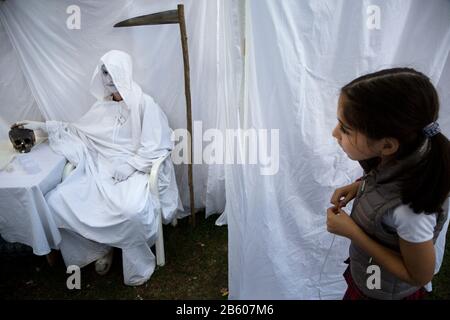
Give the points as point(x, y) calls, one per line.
point(379, 193)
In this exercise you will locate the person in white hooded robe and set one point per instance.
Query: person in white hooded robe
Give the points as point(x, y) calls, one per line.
point(105, 202)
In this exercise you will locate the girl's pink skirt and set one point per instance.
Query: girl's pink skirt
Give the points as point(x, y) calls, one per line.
point(353, 293)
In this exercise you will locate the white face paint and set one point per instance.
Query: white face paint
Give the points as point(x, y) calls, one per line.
point(108, 81)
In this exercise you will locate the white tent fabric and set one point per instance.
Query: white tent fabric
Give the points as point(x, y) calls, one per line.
point(261, 64)
point(57, 63)
point(16, 100)
point(299, 53)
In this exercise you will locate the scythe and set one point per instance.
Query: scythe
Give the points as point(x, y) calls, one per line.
point(174, 17)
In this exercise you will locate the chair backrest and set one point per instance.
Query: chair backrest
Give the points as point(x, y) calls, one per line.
point(68, 168)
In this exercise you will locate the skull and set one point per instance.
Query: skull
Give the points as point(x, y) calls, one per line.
point(22, 139)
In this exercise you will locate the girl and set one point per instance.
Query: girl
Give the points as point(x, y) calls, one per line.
point(387, 122)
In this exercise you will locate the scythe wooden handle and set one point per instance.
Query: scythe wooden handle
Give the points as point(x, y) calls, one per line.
point(187, 90)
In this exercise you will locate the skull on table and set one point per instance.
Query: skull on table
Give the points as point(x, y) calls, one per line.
point(22, 139)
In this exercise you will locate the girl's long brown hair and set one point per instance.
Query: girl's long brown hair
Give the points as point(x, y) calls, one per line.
point(399, 103)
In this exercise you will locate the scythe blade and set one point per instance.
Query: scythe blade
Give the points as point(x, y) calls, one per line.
point(165, 17)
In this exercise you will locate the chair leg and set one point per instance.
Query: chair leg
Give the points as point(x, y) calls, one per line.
point(52, 258)
point(160, 256)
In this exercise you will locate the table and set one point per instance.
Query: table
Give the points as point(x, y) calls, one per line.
point(24, 213)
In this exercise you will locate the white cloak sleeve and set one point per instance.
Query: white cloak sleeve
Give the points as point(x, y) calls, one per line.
point(155, 141)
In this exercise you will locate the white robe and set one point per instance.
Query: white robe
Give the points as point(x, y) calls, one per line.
point(92, 210)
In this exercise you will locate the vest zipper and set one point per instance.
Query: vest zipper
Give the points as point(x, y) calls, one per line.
point(363, 187)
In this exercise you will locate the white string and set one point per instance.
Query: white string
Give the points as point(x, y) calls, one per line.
point(323, 266)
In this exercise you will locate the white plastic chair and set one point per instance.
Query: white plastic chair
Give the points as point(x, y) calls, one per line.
point(154, 190)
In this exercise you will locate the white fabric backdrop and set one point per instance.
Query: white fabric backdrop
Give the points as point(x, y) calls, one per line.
point(58, 63)
point(299, 54)
point(16, 101)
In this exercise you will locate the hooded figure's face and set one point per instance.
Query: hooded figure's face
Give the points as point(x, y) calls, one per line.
point(113, 76)
point(108, 81)
point(114, 73)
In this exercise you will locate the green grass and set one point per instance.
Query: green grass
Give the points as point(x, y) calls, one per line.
point(196, 268)
point(441, 283)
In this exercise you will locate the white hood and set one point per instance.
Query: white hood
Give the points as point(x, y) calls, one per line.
point(120, 67)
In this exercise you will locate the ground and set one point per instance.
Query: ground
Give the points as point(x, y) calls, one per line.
point(196, 268)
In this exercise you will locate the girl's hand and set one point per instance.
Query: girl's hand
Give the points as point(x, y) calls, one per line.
point(344, 195)
point(340, 223)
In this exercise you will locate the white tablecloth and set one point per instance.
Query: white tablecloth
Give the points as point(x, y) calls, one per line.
point(24, 214)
